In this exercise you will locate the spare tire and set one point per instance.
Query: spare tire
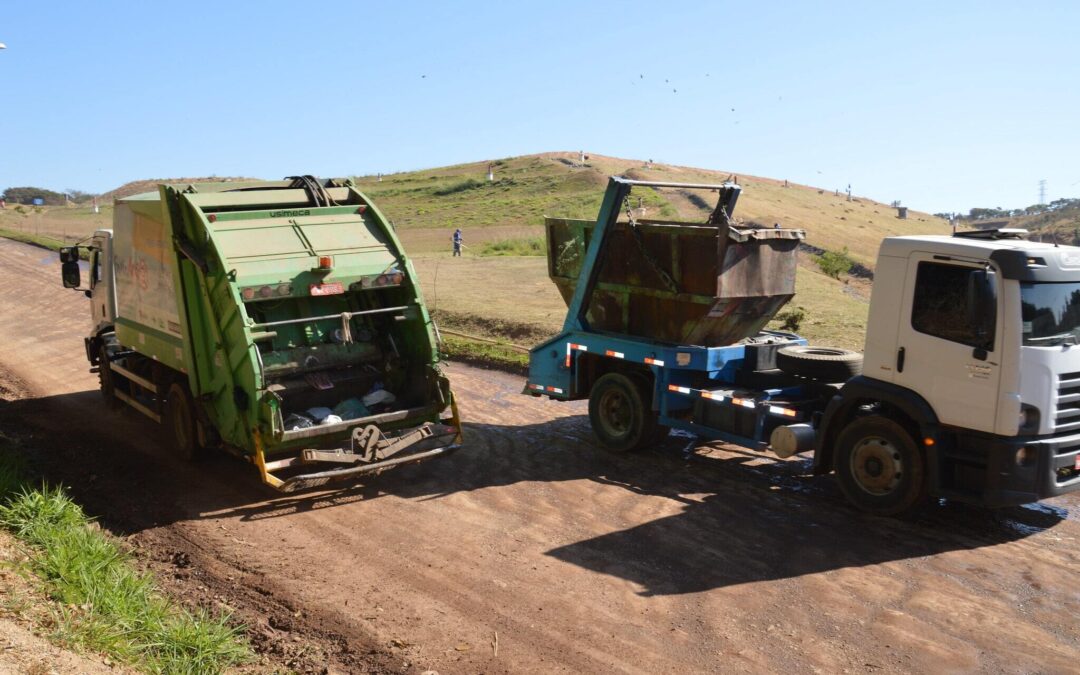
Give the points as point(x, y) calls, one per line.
point(823, 364)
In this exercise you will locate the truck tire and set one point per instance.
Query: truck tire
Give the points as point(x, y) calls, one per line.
point(180, 422)
point(619, 415)
point(823, 364)
point(879, 467)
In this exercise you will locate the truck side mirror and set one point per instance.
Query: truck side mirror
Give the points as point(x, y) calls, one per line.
point(69, 254)
point(71, 274)
point(982, 305)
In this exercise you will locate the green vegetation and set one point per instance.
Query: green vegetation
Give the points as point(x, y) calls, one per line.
point(35, 239)
point(835, 263)
point(791, 319)
point(100, 600)
point(26, 195)
point(485, 353)
point(468, 184)
point(528, 246)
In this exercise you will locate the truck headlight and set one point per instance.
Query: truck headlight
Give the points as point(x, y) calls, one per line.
point(1025, 456)
point(1029, 418)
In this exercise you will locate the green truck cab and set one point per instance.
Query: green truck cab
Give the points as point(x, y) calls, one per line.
point(279, 320)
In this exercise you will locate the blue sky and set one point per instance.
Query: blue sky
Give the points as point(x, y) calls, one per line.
point(944, 106)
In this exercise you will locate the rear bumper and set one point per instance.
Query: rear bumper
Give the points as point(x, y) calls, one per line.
point(368, 452)
point(1050, 470)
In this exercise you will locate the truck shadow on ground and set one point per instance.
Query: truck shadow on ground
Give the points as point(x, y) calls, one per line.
point(736, 518)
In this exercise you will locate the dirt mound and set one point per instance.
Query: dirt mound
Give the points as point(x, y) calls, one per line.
point(150, 184)
point(638, 174)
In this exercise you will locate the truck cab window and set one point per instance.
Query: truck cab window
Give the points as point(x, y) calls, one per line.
point(944, 306)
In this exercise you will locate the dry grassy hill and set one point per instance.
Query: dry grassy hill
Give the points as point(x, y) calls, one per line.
point(136, 186)
point(527, 188)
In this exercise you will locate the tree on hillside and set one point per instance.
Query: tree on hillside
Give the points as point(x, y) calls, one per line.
point(79, 196)
point(27, 195)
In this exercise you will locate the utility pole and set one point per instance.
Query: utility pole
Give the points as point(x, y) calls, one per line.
point(1042, 190)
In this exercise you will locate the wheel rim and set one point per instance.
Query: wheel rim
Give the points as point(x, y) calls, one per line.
point(616, 412)
point(876, 465)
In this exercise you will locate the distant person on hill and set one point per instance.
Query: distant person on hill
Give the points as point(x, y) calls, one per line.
point(457, 242)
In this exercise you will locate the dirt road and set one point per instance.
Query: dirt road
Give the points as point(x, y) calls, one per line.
point(576, 560)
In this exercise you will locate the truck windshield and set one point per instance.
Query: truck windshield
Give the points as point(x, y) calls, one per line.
point(1051, 313)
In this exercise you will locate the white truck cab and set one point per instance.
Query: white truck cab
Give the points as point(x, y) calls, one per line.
point(973, 346)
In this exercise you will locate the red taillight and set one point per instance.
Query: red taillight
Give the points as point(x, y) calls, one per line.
point(212, 218)
point(325, 262)
point(361, 209)
point(248, 293)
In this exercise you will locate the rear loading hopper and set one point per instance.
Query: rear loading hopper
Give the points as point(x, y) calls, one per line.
point(707, 283)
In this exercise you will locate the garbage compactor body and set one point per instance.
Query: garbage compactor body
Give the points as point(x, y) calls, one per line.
point(281, 320)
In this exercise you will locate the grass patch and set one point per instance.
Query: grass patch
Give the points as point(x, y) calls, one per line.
point(33, 239)
point(454, 188)
point(102, 602)
point(527, 246)
point(501, 356)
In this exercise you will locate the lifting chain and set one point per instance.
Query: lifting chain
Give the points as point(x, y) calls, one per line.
point(639, 239)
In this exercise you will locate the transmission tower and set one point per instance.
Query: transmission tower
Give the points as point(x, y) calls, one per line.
point(1042, 191)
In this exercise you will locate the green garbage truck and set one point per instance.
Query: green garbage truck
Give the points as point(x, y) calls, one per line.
point(279, 320)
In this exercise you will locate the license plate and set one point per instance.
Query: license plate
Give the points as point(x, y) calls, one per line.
point(335, 288)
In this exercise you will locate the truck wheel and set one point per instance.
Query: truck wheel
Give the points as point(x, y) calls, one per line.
point(618, 414)
point(106, 379)
point(180, 422)
point(879, 467)
point(823, 364)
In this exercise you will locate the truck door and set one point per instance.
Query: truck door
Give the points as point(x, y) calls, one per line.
point(949, 339)
point(102, 300)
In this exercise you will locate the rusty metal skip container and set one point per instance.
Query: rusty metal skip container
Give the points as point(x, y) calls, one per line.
point(708, 283)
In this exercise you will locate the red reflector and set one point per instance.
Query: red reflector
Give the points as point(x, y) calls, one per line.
point(325, 262)
point(212, 218)
point(335, 288)
point(361, 209)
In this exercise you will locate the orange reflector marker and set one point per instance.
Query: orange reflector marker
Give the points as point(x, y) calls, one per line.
point(653, 362)
point(677, 389)
point(617, 355)
point(325, 262)
point(555, 390)
point(571, 346)
point(538, 387)
point(712, 395)
point(928, 442)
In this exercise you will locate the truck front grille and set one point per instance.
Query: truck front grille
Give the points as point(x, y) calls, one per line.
point(1067, 412)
